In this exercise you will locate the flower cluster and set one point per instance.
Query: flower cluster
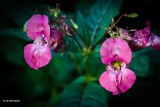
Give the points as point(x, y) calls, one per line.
point(116, 54)
point(47, 35)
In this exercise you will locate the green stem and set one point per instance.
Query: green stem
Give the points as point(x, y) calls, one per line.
point(118, 20)
point(75, 62)
point(88, 76)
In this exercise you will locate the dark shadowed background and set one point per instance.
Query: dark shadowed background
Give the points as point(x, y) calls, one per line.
point(19, 82)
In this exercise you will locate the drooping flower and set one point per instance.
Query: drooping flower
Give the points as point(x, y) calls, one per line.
point(38, 53)
point(56, 41)
point(115, 53)
point(141, 38)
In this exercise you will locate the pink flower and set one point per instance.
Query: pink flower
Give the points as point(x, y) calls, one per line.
point(56, 41)
point(144, 38)
point(38, 54)
point(115, 53)
point(141, 38)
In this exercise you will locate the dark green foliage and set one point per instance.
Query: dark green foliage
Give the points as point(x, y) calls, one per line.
point(82, 94)
point(98, 15)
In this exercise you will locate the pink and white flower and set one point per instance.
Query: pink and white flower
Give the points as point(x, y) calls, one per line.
point(115, 53)
point(38, 53)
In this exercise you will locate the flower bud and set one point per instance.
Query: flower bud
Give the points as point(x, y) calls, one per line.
point(24, 27)
point(74, 24)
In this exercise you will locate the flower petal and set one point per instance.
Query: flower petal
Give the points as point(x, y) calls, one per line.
point(124, 34)
point(38, 25)
point(155, 41)
point(37, 56)
point(56, 41)
point(108, 81)
point(126, 80)
point(115, 49)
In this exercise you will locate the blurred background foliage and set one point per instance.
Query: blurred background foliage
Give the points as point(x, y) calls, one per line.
point(63, 81)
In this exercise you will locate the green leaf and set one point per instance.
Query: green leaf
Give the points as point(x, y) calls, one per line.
point(82, 94)
point(132, 15)
point(100, 14)
point(141, 65)
point(14, 32)
point(143, 62)
point(142, 51)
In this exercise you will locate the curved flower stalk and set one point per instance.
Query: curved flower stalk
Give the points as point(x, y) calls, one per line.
point(116, 54)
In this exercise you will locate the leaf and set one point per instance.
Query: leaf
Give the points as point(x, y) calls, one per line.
point(81, 94)
point(141, 65)
point(100, 14)
point(14, 32)
point(142, 51)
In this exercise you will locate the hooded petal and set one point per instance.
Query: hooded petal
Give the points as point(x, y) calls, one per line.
point(38, 25)
point(37, 56)
point(126, 80)
point(155, 41)
point(115, 49)
point(108, 81)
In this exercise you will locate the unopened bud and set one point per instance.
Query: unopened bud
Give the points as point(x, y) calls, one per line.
point(57, 12)
point(132, 15)
point(74, 24)
point(24, 27)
